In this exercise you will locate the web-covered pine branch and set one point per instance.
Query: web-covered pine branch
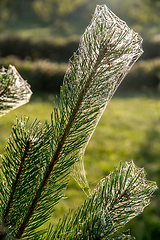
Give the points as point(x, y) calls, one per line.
point(38, 158)
point(14, 91)
point(115, 201)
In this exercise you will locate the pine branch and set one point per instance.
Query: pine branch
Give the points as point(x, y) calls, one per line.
point(94, 74)
point(25, 164)
point(107, 50)
point(38, 159)
point(116, 200)
point(14, 91)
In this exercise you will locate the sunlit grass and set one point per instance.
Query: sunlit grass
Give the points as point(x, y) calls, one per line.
point(128, 130)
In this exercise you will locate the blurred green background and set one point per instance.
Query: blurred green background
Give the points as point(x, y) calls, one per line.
point(38, 37)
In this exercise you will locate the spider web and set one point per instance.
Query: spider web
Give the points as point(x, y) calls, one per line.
point(123, 47)
point(14, 91)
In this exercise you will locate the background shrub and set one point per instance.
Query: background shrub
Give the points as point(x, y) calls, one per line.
point(58, 49)
point(43, 62)
point(42, 75)
point(50, 48)
point(144, 75)
point(47, 76)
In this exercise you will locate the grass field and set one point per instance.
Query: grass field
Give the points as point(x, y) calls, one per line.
point(129, 129)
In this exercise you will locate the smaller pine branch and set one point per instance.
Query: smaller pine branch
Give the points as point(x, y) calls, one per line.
point(14, 91)
point(117, 199)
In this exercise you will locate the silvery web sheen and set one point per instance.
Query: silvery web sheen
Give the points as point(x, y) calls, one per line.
point(14, 91)
point(107, 51)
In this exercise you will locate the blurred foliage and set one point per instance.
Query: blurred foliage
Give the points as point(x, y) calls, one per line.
point(43, 62)
point(42, 75)
point(145, 75)
point(139, 11)
point(4, 12)
point(144, 12)
point(47, 76)
point(47, 9)
point(50, 48)
point(60, 13)
point(58, 49)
